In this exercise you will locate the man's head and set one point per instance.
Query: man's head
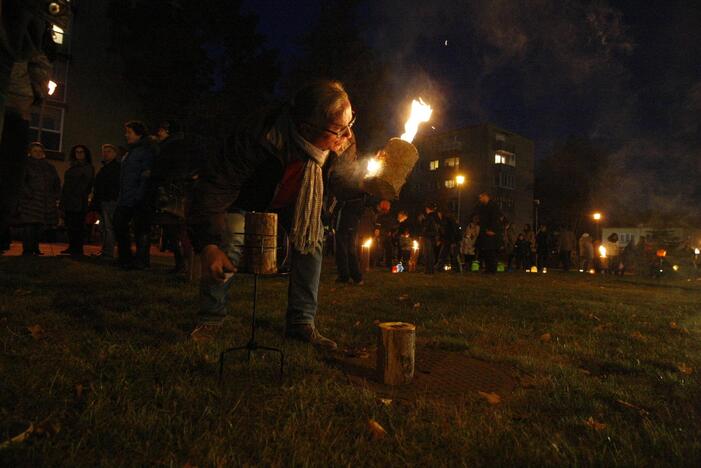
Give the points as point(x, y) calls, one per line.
point(166, 129)
point(109, 152)
point(36, 150)
point(134, 131)
point(484, 198)
point(323, 115)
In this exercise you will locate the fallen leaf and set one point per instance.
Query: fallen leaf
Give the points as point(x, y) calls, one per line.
point(673, 325)
point(417, 305)
point(357, 323)
point(36, 331)
point(492, 398)
point(642, 411)
point(403, 297)
point(684, 330)
point(545, 337)
point(594, 317)
point(636, 335)
point(684, 369)
point(376, 430)
point(385, 401)
point(46, 427)
point(596, 425)
point(584, 371)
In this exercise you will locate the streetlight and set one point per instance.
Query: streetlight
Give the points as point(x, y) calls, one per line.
point(597, 219)
point(459, 180)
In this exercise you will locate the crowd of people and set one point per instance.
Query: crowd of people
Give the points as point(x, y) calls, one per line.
point(141, 184)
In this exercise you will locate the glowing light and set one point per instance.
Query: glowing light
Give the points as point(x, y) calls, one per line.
point(545, 270)
point(602, 251)
point(460, 179)
point(697, 251)
point(368, 243)
point(420, 112)
point(597, 216)
point(592, 271)
point(52, 87)
point(675, 267)
point(374, 167)
point(97, 221)
point(581, 271)
point(446, 267)
point(661, 253)
point(415, 245)
point(534, 269)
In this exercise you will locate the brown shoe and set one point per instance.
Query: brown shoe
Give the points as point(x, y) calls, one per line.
point(205, 332)
point(309, 334)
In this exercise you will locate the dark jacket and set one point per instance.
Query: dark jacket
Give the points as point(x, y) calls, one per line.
point(246, 175)
point(77, 184)
point(490, 220)
point(107, 183)
point(431, 226)
point(40, 192)
point(134, 173)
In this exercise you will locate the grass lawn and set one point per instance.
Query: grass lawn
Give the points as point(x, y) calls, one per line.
point(608, 372)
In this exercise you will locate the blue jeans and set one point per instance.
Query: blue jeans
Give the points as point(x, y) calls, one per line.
point(302, 293)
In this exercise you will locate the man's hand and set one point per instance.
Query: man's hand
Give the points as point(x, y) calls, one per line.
point(215, 264)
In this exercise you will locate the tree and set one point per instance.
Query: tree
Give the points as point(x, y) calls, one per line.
point(201, 62)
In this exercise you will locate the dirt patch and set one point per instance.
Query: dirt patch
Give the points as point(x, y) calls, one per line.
point(439, 375)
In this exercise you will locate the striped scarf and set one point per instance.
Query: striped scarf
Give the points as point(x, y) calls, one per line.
point(307, 229)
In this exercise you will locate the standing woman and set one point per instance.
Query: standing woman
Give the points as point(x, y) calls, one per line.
point(77, 184)
point(132, 204)
point(37, 208)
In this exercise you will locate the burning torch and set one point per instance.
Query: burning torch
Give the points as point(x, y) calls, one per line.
point(399, 154)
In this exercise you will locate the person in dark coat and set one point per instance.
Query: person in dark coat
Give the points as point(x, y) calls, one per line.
point(278, 161)
point(77, 185)
point(105, 195)
point(430, 231)
point(450, 240)
point(403, 238)
point(542, 241)
point(38, 206)
point(522, 252)
point(132, 204)
point(566, 243)
point(490, 225)
point(172, 176)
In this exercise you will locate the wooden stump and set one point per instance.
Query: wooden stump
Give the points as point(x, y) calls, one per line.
point(396, 343)
point(399, 159)
point(260, 243)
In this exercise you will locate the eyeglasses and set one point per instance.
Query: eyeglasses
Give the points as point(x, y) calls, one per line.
point(345, 131)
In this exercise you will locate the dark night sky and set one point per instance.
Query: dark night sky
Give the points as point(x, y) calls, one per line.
point(625, 73)
point(621, 72)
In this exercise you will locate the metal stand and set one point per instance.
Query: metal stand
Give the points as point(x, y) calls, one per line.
point(252, 346)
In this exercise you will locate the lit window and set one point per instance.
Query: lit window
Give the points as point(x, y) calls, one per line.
point(505, 157)
point(452, 162)
point(433, 165)
point(499, 137)
point(57, 34)
point(450, 183)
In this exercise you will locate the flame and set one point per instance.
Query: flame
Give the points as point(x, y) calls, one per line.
point(675, 268)
point(697, 251)
point(374, 167)
point(661, 253)
point(97, 221)
point(52, 87)
point(420, 112)
point(368, 242)
point(602, 251)
point(415, 245)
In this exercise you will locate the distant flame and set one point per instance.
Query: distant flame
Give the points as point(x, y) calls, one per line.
point(420, 112)
point(368, 243)
point(697, 251)
point(415, 245)
point(602, 251)
point(52, 87)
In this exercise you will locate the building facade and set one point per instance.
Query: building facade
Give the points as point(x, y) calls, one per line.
point(90, 100)
point(484, 158)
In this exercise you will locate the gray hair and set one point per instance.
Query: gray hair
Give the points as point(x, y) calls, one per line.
point(319, 102)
